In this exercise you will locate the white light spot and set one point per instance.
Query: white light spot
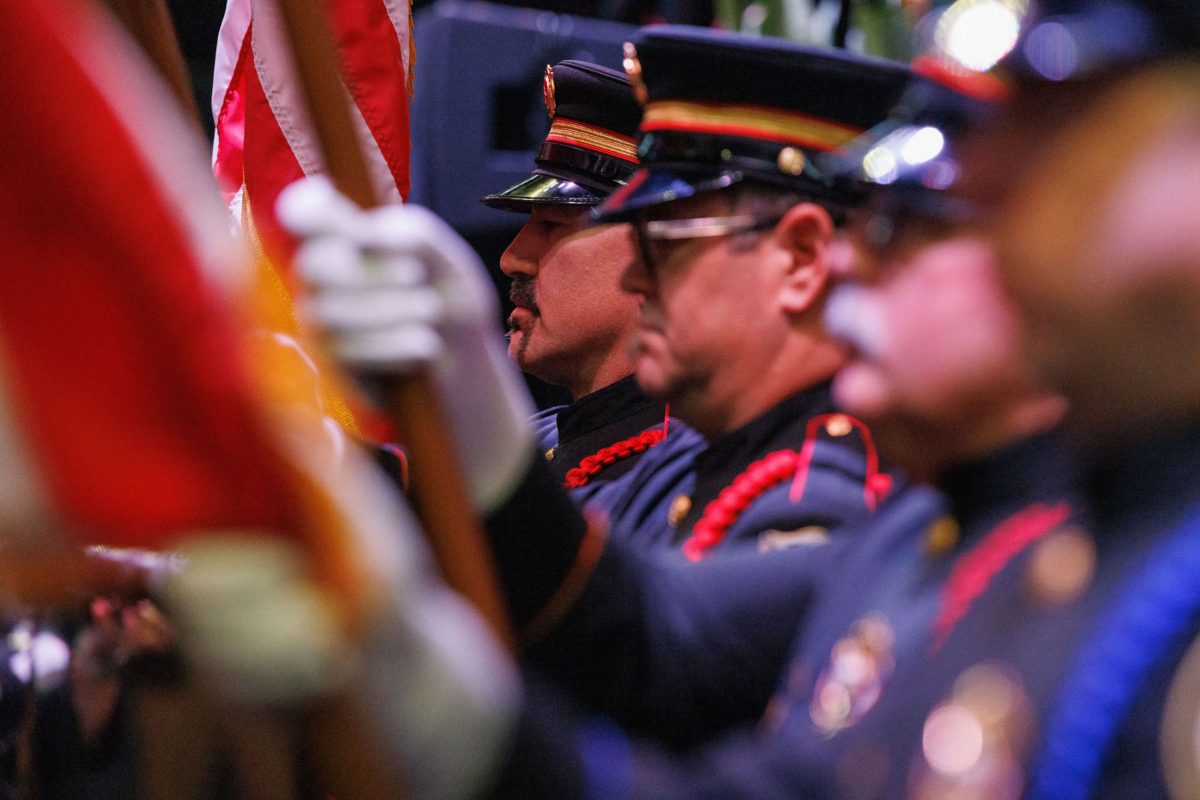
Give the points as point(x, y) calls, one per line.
point(880, 165)
point(978, 33)
point(45, 658)
point(922, 145)
point(952, 740)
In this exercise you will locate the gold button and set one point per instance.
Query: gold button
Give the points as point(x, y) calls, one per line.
point(680, 507)
point(1061, 566)
point(791, 161)
point(549, 454)
point(941, 536)
point(839, 425)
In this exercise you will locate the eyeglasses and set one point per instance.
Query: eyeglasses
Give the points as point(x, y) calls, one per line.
point(649, 233)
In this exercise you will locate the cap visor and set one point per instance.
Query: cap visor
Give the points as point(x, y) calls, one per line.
point(541, 189)
point(652, 187)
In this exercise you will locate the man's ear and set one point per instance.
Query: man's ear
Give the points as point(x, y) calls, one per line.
point(804, 233)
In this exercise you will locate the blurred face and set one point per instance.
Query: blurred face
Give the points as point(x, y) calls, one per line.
point(1100, 244)
point(571, 316)
point(706, 317)
point(935, 363)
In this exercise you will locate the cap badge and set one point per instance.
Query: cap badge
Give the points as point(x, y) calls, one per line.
point(633, 68)
point(548, 90)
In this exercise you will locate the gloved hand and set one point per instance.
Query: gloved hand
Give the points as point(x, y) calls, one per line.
point(395, 289)
point(439, 691)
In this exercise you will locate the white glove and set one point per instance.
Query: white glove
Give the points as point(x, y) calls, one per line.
point(395, 289)
point(254, 622)
point(435, 684)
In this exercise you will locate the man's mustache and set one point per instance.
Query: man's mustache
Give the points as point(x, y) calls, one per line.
point(522, 293)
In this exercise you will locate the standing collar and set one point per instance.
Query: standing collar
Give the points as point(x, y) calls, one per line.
point(783, 425)
point(1043, 467)
point(1155, 477)
point(603, 407)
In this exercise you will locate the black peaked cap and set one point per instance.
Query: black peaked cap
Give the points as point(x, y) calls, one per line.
point(723, 107)
point(590, 149)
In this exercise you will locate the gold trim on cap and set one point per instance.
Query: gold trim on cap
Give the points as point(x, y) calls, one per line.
point(755, 122)
point(593, 137)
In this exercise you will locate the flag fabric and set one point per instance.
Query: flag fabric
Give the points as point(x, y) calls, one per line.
point(133, 410)
point(264, 138)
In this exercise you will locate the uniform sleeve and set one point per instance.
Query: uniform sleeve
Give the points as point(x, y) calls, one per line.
point(673, 650)
point(560, 754)
point(539, 540)
point(680, 651)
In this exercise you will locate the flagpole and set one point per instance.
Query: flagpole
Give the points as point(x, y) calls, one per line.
point(149, 23)
point(439, 490)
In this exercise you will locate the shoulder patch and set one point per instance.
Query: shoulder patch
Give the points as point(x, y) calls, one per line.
point(808, 536)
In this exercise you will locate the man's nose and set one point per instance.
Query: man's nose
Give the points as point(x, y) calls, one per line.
point(520, 257)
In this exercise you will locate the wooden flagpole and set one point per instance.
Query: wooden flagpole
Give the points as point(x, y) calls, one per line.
point(439, 491)
point(149, 23)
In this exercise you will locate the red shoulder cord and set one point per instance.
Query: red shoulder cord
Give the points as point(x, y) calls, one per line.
point(589, 466)
point(973, 572)
point(773, 469)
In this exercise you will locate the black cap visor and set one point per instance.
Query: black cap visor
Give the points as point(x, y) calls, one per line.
point(542, 189)
point(662, 184)
point(907, 168)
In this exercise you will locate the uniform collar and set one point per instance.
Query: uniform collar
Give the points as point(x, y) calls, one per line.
point(1153, 478)
point(783, 425)
point(613, 403)
point(1043, 467)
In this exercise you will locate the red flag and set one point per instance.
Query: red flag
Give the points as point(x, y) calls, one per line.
point(264, 138)
point(130, 408)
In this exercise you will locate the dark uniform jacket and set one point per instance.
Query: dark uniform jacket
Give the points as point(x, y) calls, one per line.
point(796, 474)
point(1019, 643)
point(607, 430)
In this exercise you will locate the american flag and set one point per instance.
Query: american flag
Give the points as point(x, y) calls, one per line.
point(264, 140)
point(264, 137)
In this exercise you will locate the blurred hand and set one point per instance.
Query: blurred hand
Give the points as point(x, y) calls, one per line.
point(437, 687)
point(393, 290)
point(116, 634)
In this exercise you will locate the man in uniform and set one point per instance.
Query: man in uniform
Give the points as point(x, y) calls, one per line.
point(572, 321)
point(733, 220)
point(679, 653)
point(1099, 248)
point(1053, 652)
point(904, 641)
point(730, 335)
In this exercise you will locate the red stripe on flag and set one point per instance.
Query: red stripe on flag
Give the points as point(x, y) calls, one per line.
point(270, 167)
point(373, 67)
point(124, 367)
point(229, 159)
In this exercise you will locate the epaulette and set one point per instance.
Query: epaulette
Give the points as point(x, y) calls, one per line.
point(777, 467)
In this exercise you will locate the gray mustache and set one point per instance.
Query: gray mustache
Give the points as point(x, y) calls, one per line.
point(522, 293)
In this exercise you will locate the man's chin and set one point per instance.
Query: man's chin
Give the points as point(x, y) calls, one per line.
point(862, 390)
point(654, 381)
